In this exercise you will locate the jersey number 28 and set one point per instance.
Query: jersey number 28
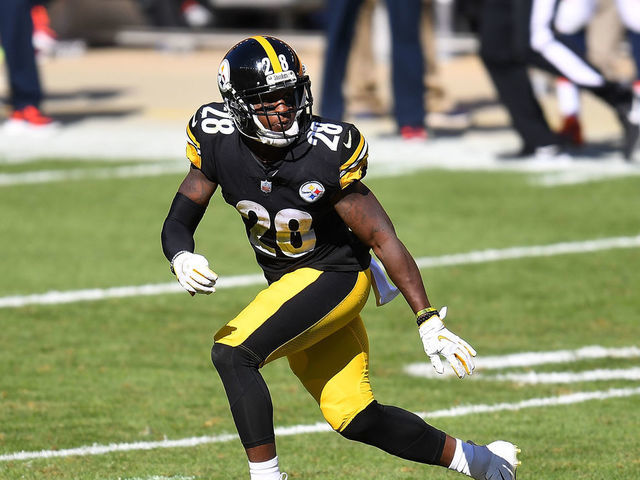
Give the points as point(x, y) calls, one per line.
point(294, 233)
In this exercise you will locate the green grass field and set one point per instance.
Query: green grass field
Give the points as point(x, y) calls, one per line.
point(137, 369)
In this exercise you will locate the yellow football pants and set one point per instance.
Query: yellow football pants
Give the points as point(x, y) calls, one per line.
point(312, 318)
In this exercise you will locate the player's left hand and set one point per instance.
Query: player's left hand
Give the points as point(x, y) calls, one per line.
point(438, 340)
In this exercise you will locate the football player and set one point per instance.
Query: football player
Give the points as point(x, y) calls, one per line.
point(559, 58)
point(296, 181)
point(570, 22)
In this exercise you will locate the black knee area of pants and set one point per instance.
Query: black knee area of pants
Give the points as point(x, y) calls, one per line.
point(248, 395)
point(226, 358)
point(398, 432)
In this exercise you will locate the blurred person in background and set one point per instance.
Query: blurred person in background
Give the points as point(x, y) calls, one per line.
point(296, 180)
point(407, 64)
point(44, 37)
point(516, 34)
point(362, 89)
point(17, 36)
point(571, 20)
point(363, 97)
point(177, 13)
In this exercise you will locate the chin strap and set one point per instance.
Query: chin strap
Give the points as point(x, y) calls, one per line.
point(276, 142)
point(276, 139)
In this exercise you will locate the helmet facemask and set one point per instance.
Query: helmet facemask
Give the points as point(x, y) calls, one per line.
point(276, 113)
point(285, 110)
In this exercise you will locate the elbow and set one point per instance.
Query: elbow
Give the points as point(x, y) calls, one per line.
point(540, 39)
point(382, 242)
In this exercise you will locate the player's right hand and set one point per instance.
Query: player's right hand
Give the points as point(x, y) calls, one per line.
point(193, 273)
point(438, 340)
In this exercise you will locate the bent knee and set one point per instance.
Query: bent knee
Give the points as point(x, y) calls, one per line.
point(220, 354)
point(340, 415)
point(225, 357)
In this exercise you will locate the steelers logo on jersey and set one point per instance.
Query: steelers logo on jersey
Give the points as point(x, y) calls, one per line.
point(311, 191)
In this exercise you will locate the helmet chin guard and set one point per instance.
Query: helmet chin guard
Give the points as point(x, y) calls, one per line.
point(260, 66)
point(273, 138)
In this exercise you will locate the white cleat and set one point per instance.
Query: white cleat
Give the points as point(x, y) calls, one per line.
point(504, 461)
point(283, 476)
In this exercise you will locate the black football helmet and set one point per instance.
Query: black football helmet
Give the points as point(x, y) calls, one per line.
point(253, 73)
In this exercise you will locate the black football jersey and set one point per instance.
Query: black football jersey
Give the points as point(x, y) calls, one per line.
point(287, 207)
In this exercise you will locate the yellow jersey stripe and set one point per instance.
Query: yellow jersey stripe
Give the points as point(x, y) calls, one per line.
point(271, 53)
point(349, 163)
point(192, 137)
point(356, 173)
point(193, 155)
point(345, 167)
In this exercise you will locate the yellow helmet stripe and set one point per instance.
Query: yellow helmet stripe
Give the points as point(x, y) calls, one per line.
point(271, 53)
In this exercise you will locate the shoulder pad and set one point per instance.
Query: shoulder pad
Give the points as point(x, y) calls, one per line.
point(194, 154)
point(209, 120)
point(355, 156)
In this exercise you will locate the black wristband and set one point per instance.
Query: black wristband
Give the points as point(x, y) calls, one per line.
point(425, 314)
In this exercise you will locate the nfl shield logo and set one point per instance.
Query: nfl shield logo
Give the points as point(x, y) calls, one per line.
point(265, 186)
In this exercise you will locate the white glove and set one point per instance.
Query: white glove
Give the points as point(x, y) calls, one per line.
point(193, 273)
point(438, 340)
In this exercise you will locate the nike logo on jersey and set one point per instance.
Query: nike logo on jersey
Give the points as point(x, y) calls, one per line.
point(348, 142)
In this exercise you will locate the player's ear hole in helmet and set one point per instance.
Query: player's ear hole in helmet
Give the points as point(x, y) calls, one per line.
point(266, 90)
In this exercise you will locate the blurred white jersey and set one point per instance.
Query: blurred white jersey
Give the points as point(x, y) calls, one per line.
point(565, 60)
point(574, 15)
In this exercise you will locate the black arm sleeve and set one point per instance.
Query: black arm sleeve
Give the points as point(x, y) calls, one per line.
point(180, 225)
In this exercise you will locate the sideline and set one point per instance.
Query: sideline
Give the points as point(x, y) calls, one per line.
point(393, 157)
point(474, 257)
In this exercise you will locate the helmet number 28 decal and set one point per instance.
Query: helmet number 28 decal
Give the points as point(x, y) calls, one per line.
point(267, 67)
point(328, 133)
point(294, 234)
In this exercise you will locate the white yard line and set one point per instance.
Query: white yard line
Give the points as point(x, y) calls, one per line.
point(56, 297)
point(483, 256)
point(576, 176)
point(158, 477)
point(578, 397)
point(480, 256)
point(126, 171)
point(529, 359)
point(535, 378)
point(569, 399)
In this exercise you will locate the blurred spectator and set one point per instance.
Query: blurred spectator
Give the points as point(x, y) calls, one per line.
point(195, 14)
point(44, 38)
point(362, 80)
point(517, 33)
point(16, 33)
point(177, 13)
point(570, 22)
point(407, 64)
point(363, 97)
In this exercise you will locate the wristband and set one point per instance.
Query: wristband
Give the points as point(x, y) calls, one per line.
point(425, 314)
